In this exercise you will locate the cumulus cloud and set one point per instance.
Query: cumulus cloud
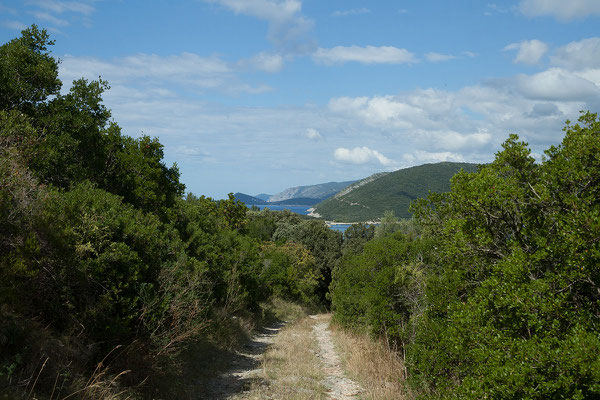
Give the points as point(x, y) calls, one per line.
point(380, 111)
point(313, 134)
point(361, 155)
point(544, 110)
point(364, 55)
point(437, 57)
point(578, 55)
point(562, 10)
point(353, 11)
point(556, 84)
point(289, 30)
point(529, 51)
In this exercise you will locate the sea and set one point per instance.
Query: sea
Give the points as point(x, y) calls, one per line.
point(302, 210)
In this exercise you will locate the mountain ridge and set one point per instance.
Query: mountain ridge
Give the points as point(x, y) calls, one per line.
point(318, 191)
point(368, 199)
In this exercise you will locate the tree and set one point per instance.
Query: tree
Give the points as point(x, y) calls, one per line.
point(28, 73)
point(388, 224)
point(513, 298)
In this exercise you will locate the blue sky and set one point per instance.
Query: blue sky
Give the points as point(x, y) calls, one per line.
point(260, 95)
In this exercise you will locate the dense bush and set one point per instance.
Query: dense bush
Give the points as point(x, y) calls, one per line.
point(323, 243)
point(513, 308)
point(502, 278)
point(290, 272)
point(99, 250)
point(381, 287)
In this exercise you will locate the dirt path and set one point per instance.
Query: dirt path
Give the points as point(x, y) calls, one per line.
point(340, 387)
point(298, 362)
point(245, 366)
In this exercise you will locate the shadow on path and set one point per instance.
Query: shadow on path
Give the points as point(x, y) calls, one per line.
point(243, 366)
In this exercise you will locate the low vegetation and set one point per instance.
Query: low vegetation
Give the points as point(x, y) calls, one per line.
point(376, 366)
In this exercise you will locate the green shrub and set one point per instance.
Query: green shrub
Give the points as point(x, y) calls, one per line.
point(512, 308)
point(380, 288)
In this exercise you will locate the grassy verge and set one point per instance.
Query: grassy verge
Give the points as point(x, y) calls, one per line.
point(372, 364)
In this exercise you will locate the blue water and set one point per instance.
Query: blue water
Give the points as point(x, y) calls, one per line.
point(302, 210)
point(340, 227)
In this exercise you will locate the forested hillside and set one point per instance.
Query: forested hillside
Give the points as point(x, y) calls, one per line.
point(392, 191)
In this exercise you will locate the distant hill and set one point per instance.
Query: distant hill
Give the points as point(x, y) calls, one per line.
point(368, 199)
point(320, 191)
point(263, 196)
point(249, 200)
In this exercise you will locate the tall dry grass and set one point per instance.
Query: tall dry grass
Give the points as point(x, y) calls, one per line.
point(373, 364)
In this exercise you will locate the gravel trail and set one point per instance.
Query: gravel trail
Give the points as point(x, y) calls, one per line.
point(340, 387)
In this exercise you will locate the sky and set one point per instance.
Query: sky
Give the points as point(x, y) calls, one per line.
point(256, 96)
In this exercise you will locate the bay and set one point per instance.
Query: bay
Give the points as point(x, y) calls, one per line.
point(302, 210)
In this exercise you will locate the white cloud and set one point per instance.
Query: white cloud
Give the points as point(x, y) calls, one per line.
point(289, 30)
point(7, 10)
point(187, 70)
point(269, 10)
point(50, 18)
point(378, 111)
point(579, 55)
point(313, 134)
point(437, 57)
point(562, 10)
point(494, 8)
point(364, 55)
point(264, 62)
point(529, 51)
point(556, 84)
point(60, 7)
point(361, 155)
point(423, 157)
point(15, 25)
point(353, 11)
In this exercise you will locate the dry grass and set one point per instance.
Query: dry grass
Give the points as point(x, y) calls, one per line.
point(290, 367)
point(372, 364)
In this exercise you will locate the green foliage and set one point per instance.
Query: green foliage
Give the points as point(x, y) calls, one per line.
point(323, 243)
point(97, 247)
point(392, 191)
point(290, 272)
point(355, 236)
point(380, 288)
point(513, 306)
point(28, 73)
